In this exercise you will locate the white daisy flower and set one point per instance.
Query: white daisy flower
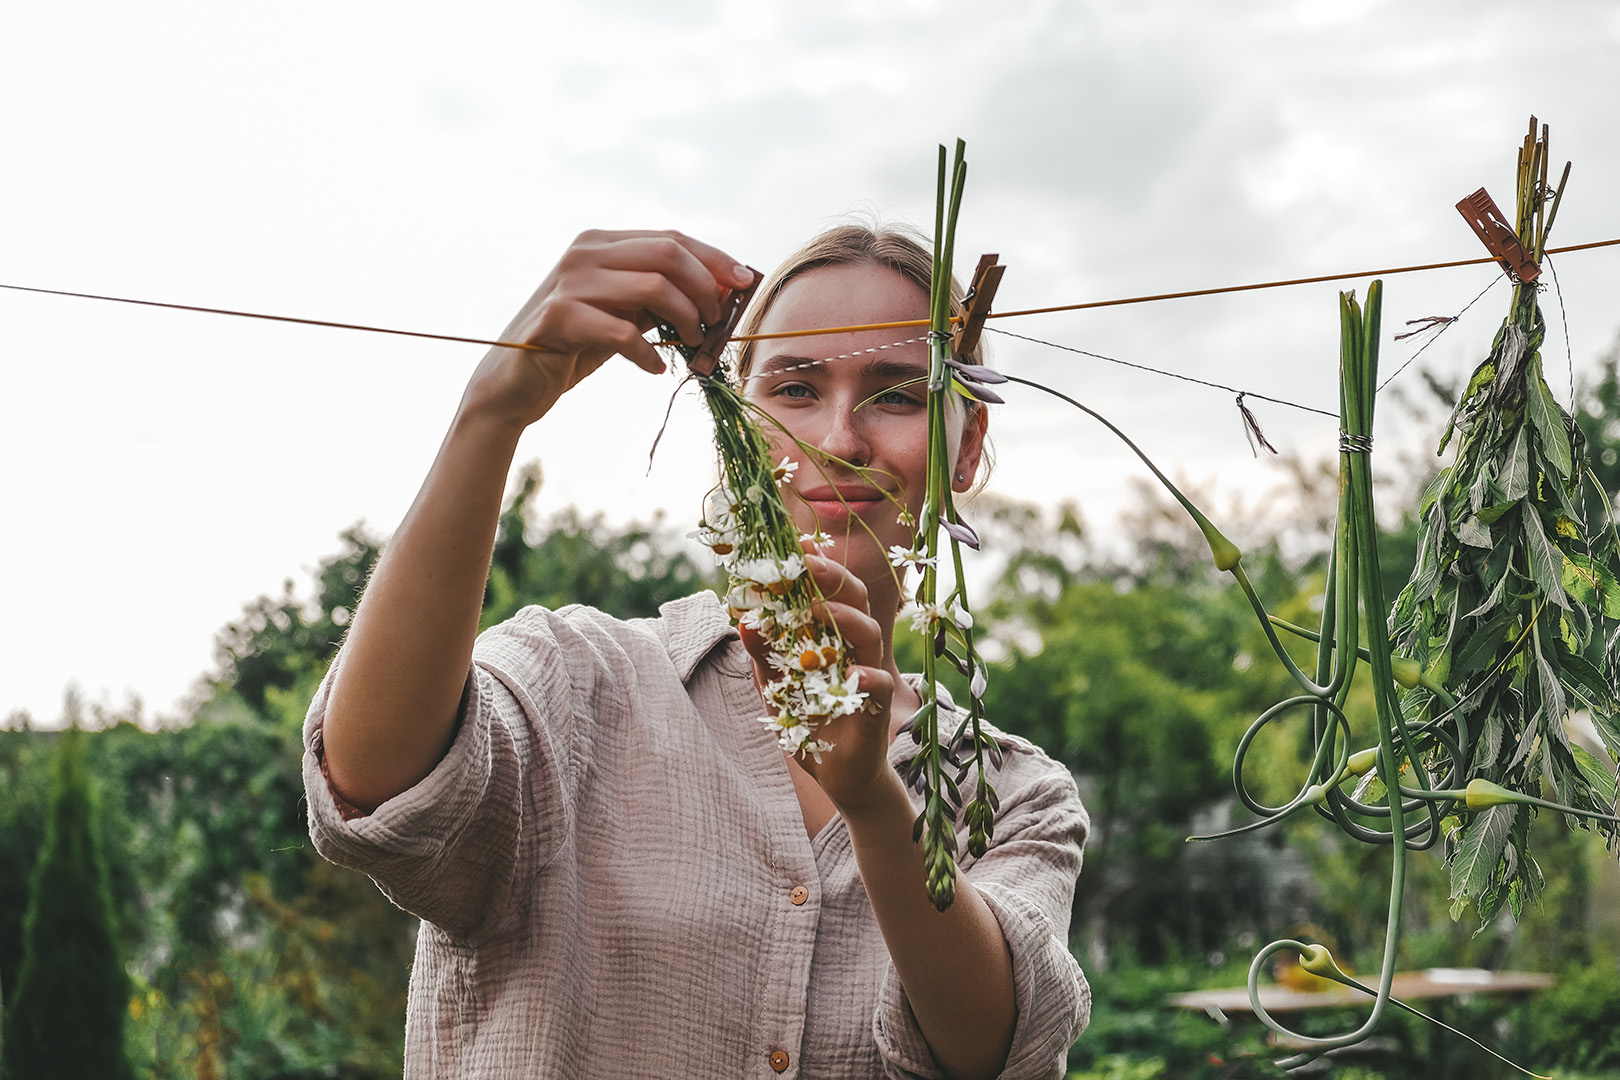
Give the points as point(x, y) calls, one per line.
point(924, 616)
point(904, 556)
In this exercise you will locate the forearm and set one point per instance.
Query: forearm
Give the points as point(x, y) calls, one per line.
point(954, 965)
point(392, 710)
point(393, 704)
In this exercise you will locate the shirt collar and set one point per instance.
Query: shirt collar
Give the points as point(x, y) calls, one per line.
point(694, 625)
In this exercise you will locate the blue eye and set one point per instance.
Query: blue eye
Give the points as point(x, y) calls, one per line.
point(895, 397)
point(794, 391)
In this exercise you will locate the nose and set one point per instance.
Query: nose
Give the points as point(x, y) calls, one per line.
point(845, 437)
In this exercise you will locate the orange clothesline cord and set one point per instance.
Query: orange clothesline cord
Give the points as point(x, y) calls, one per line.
point(1174, 295)
point(800, 333)
point(275, 318)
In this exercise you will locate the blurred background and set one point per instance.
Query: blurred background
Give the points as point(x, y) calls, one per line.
point(193, 501)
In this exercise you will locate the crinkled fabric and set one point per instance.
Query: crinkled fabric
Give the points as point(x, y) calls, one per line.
point(605, 863)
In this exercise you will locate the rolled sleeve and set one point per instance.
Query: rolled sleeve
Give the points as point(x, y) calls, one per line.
point(446, 849)
point(1027, 880)
point(1051, 994)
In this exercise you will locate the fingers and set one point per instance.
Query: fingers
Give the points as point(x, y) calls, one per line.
point(589, 329)
point(727, 272)
point(844, 605)
point(669, 275)
point(609, 289)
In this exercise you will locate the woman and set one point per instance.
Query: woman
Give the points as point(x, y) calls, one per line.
point(618, 871)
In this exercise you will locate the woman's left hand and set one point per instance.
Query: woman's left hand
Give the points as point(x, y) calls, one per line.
point(855, 772)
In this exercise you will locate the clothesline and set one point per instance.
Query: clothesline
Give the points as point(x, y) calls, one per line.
point(466, 340)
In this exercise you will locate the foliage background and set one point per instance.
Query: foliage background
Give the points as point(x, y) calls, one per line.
point(253, 959)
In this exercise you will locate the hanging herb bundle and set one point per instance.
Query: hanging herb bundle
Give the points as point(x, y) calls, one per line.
point(944, 756)
point(1506, 607)
point(748, 527)
point(1509, 597)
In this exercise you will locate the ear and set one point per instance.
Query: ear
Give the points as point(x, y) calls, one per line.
point(975, 423)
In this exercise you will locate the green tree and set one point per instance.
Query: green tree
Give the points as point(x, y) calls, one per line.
point(569, 559)
point(24, 796)
point(66, 1019)
point(256, 958)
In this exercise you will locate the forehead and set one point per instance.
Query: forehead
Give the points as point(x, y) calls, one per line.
point(850, 295)
point(845, 296)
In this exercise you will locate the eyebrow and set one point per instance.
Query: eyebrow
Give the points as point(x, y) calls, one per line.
point(876, 367)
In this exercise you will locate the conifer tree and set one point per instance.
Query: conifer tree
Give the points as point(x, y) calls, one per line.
point(65, 1020)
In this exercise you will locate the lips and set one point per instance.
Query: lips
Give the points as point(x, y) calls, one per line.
point(838, 500)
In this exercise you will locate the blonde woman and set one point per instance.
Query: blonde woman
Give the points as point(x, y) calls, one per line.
point(618, 870)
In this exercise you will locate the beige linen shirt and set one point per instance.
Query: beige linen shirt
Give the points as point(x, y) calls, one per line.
point(614, 878)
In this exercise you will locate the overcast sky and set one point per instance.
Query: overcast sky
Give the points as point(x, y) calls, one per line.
point(421, 166)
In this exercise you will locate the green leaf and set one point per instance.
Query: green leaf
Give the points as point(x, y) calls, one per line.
point(1490, 514)
point(1514, 475)
point(1587, 683)
point(1427, 576)
point(1553, 704)
point(1490, 744)
point(1477, 652)
point(1549, 421)
point(1371, 789)
point(1599, 775)
point(1546, 564)
point(1432, 490)
point(1592, 584)
point(1529, 739)
point(1474, 865)
point(1495, 595)
point(1474, 533)
point(1607, 730)
point(1484, 375)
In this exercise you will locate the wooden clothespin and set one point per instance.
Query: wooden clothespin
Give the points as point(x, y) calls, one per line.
point(986, 279)
point(716, 334)
point(1493, 230)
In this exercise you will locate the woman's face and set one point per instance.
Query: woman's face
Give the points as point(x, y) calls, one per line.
point(867, 410)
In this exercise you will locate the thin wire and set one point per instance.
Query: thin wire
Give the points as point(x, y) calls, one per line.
point(1443, 328)
point(827, 359)
point(277, 318)
point(1176, 295)
point(1569, 350)
point(803, 333)
point(1171, 374)
point(1574, 414)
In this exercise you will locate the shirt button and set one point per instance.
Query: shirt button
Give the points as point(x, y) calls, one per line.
point(799, 895)
point(779, 1060)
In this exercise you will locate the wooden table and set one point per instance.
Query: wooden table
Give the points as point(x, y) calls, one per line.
point(1407, 986)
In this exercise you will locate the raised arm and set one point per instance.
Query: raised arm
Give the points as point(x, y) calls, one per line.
point(398, 685)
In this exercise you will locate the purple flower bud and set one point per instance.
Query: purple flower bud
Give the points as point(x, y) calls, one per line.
point(979, 392)
point(961, 532)
point(977, 372)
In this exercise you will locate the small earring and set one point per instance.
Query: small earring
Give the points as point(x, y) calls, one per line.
point(960, 478)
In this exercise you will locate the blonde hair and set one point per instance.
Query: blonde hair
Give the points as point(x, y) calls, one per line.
point(897, 247)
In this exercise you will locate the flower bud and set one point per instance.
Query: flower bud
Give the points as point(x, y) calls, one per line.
point(1319, 962)
point(1482, 794)
point(1407, 671)
point(1362, 761)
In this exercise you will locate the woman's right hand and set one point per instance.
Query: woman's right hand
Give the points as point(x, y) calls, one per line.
point(394, 700)
point(607, 290)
